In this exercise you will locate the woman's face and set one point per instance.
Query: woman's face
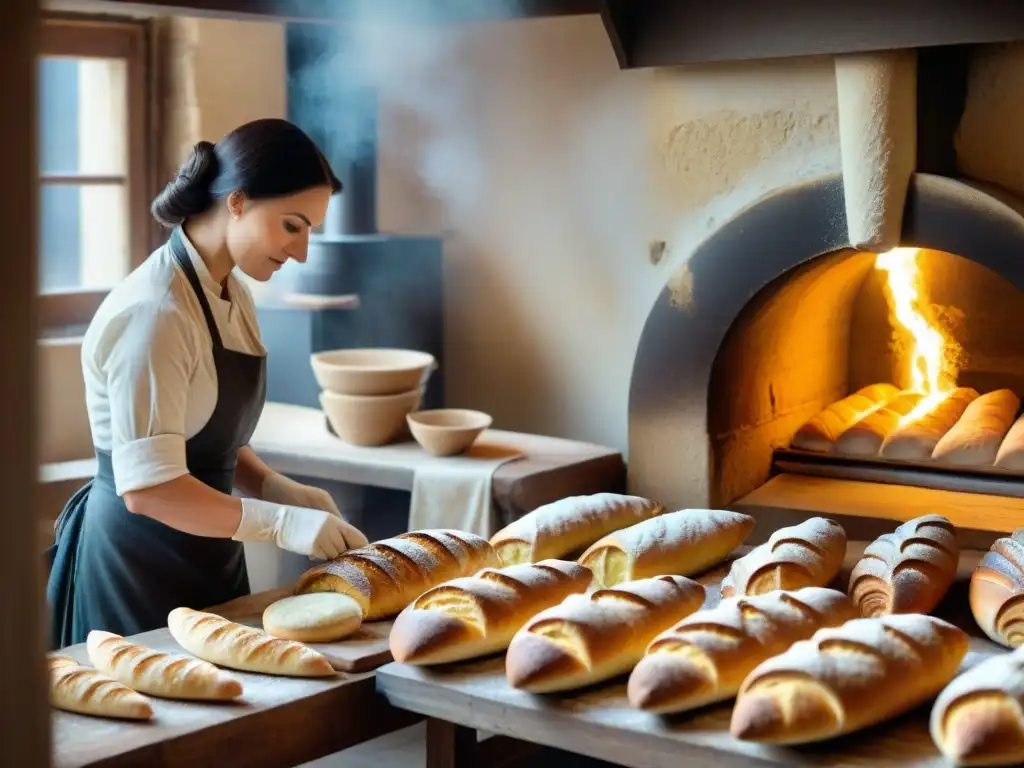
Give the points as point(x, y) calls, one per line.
point(263, 234)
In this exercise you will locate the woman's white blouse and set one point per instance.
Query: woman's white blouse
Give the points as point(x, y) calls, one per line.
point(150, 380)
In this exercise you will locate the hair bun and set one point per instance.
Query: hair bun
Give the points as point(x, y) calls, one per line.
point(189, 193)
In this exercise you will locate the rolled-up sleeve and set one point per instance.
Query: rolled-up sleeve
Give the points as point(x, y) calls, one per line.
point(149, 367)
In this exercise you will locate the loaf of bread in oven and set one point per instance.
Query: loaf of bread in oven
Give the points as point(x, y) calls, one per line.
point(997, 591)
point(683, 543)
point(81, 689)
point(915, 439)
point(705, 657)
point(477, 615)
point(386, 576)
point(590, 638)
point(976, 720)
point(806, 555)
point(865, 438)
point(847, 678)
point(820, 433)
point(568, 526)
point(1011, 450)
point(906, 571)
point(975, 439)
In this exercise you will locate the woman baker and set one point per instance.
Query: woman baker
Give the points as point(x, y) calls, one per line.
point(175, 380)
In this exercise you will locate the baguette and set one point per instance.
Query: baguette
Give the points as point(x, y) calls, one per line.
point(386, 576)
point(916, 438)
point(170, 676)
point(590, 638)
point(975, 439)
point(997, 591)
point(820, 433)
point(81, 689)
point(847, 678)
point(1011, 451)
point(227, 644)
point(477, 615)
point(907, 571)
point(683, 543)
point(806, 555)
point(865, 438)
point(977, 718)
point(705, 657)
point(569, 525)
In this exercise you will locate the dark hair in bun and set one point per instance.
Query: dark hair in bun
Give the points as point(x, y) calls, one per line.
point(265, 158)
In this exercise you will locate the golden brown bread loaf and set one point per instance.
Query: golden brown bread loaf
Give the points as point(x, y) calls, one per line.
point(977, 718)
point(237, 646)
point(906, 571)
point(975, 439)
point(847, 678)
point(997, 591)
point(171, 676)
point(820, 433)
point(806, 555)
point(683, 543)
point(569, 525)
point(915, 438)
point(590, 638)
point(81, 689)
point(386, 576)
point(477, 615)
point(1011, 450)
point(705, 657)
point(865, 438)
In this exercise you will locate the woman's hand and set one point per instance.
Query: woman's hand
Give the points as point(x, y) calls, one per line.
point(283, 490)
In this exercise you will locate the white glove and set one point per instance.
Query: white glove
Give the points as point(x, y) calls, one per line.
point(283, 490)
point(305, 531)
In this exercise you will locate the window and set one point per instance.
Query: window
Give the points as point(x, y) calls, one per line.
point(93, 212)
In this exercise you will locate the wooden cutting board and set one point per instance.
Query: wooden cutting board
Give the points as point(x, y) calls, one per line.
point(365, 650)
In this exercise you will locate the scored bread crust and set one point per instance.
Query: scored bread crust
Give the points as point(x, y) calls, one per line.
point(590, 638)
point(906, 571)
point(169, 675)
point(386, 576)
point(997, 591)
point(975, 439)
point(86, 691)
point(569, 525)
point(847, 678)
point(477, 615)
point(227, 644)
point(806, 555)
point(916, 439)
point(865, 437)
point(820, 432)
point(683, 543)
point(704, 658)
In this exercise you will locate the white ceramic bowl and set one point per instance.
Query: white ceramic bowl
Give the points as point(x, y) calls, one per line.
point(372, 371)
point(369, 420)
point(447, 431)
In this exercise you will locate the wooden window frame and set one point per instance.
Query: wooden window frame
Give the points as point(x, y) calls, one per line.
point(107, 39)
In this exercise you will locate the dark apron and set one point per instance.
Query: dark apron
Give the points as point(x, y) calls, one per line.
point(120, 572)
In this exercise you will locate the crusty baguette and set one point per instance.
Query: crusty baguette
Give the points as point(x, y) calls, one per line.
point(806, 555)
point(997, 591)
point(865, 437)
point(847, 678)
point(914, 439)
point(820, 433)
point(705, 657)
point(386, 576)
point(477, 615)
point(906, 571)
point(1011, 451)
point(975, 439)
point(569, 525)
point(171, 676)
point(237, 646)
point(683, 543)
point(977, 718)
point(590, 638)
point(77, 688)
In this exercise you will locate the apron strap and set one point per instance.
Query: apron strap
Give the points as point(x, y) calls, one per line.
point(181, 256)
